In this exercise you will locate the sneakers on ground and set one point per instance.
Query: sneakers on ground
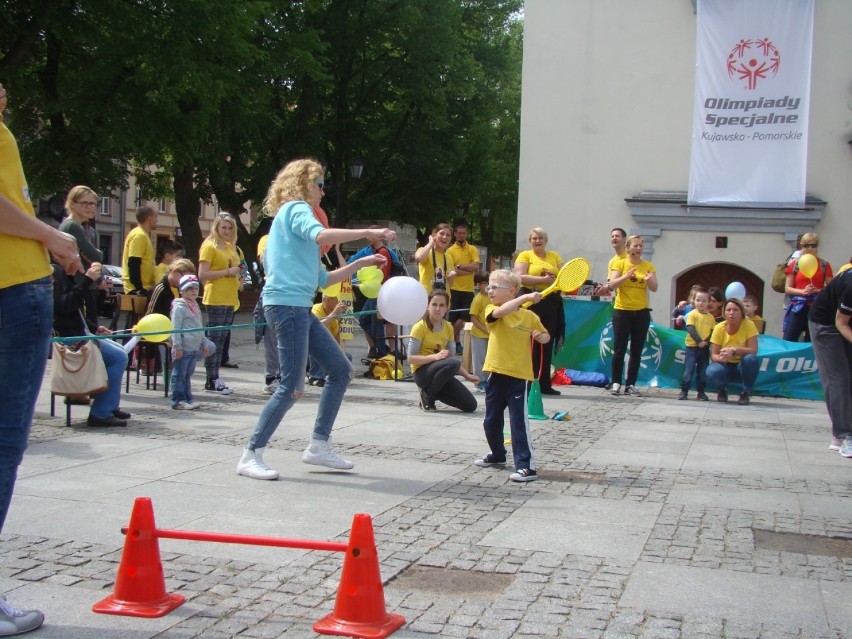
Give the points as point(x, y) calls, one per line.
point(426, 402)
point(193, 405)
point(489, 461)
point(271, 387)
point(316, 381)
point(702, 397)
point(482, 386)
point(744, 398)
point(524, 474)
point(683, 395)
point(722, 396)
point(181, 406)
point(251, 464)
point(459, 349)
point(846, 447)
point(319, 453)
point(616, 389)
point(835, 444)
point(217, 386)
point(632, 392)
point(14, 621)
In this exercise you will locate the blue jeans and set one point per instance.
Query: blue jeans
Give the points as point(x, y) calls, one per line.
point(505, 392)
point(182, 370)
point(26, 321)
point(115, 360)
point(695, 361)
point(315, 369)
point(299, 333)
point(745, 372)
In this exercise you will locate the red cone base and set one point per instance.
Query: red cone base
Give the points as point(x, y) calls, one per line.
point(140, 587)
point(359, 610)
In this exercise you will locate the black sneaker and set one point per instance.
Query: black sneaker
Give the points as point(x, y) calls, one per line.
point(426, 402)
point(702, 397)
point(683, 395)
point(722, 396)
point(489, 461)
point(524, 474)
point(744, 398)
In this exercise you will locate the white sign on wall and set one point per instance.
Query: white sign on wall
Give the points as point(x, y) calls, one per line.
point(752, 90)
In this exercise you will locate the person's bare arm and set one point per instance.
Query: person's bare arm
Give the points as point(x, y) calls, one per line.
point(62, 246)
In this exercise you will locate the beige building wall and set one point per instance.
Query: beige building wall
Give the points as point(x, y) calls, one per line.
point(607, 113)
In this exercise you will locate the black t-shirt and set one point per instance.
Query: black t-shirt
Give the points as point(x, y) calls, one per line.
point(837, 296)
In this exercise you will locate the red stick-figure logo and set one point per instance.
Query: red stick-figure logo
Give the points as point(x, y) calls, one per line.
point(751, 60)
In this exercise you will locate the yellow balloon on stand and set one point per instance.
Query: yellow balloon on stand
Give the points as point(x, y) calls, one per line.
point(370, 288)
point(808, 265)
point(159, 325)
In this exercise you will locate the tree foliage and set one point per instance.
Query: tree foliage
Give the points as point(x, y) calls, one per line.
point(204, 98)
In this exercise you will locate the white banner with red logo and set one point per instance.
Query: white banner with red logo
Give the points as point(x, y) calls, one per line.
point(752, 92)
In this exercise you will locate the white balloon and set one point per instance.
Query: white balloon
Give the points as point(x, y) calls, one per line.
point(735, 289)
point(402, 300)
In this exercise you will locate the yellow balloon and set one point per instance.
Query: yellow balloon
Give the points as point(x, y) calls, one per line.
point(155, 323)
point(332, 291)
point(808, 265)
point(371, 288)
point(369, 274)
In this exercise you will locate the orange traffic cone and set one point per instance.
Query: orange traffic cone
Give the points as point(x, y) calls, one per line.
point(359, 610)
point(140, 588)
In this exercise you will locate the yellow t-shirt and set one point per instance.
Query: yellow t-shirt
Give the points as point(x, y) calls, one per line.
point(477, 308)
point(739, 339)
point(261, 247)
point(138, 244)
point(24, 260)
point(427, 270)
point(612, 262)
point(633, 296)
point(432, 341)
point(759, 323)
point(509, 352)
point(845, 267)
point(223, 291)
point(333, 326)
point(551, 262)
point(160, 272)
point(704, 324)
point(463, 255)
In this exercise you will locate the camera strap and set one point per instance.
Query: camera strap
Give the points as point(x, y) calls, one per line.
point(435, 264)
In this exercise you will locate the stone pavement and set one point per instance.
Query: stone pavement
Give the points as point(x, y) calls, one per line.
point(652, 518)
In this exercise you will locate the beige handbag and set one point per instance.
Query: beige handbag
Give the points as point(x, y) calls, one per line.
point(78, 372)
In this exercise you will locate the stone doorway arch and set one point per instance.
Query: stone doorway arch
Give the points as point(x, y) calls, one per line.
point(718, 274)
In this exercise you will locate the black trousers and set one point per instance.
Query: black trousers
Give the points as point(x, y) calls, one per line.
point(629, 326)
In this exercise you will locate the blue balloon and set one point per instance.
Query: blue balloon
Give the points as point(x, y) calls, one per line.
point(735, 289)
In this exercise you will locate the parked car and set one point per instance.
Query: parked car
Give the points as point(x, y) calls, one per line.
point(107, 297)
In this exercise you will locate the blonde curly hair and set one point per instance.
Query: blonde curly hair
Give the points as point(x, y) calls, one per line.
point(292, 183)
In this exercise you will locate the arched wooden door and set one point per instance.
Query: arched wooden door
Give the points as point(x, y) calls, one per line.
point(719, 274)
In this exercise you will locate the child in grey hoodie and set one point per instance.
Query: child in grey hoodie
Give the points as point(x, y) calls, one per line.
point(187, 347)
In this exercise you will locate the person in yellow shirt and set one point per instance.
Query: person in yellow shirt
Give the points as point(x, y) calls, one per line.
point(479, 333)
point(169, 251)
point(509, 363)
point(633, 277)
point(618, 242)
point(435, 266)
point(699, 326)
point(733, 351)
point(432, 363)
point(137, 258)
point(219, 269)
point(751, 305)
point(466, 259)
point(26, 299)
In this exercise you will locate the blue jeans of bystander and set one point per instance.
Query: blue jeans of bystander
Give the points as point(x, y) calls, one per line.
point(745, 372)
point(26, 321)
point(182, 370)
point(115, 360)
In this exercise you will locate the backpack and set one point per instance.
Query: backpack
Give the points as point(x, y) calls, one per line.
point(397, 267)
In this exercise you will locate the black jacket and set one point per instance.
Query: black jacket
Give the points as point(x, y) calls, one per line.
point(73, 294)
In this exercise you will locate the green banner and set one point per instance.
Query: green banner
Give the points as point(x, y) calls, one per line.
point(787, 369)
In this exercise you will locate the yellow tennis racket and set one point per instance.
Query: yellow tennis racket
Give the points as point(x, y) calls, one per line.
point(570, 277)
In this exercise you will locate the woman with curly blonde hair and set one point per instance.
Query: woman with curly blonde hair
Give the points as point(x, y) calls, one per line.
point(293, 275)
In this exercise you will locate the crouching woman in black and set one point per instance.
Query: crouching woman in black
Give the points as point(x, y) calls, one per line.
point(432, 362)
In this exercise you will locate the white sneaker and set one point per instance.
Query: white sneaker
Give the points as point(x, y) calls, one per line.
point(179, 406)
point(217, 386)
point(616, 389)
point(846, 447)
point(193, 405)
point(835, 444)
point(14, 621)
point(270, 388)
point(319, 453)
point(251, 464)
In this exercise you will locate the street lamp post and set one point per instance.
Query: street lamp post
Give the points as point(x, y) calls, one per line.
point(356, 168)
point(485, 213)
